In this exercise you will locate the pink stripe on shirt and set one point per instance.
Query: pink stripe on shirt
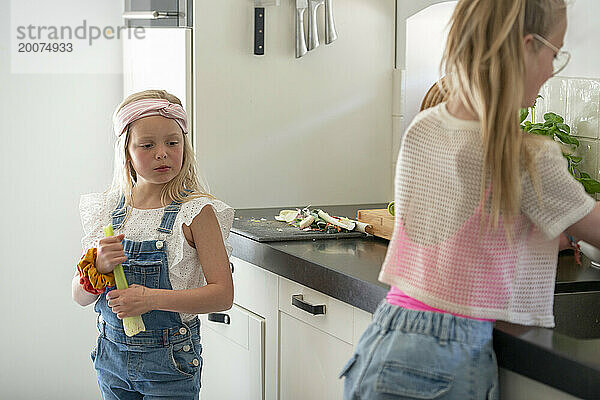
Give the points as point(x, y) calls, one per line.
point(396, 297)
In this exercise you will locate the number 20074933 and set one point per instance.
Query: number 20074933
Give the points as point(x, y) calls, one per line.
point(40, 47)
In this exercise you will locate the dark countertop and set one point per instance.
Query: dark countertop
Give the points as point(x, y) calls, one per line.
point(347, 269)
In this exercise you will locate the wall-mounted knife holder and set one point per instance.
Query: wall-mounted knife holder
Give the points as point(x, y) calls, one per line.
point(259, 31)
point(259, 24)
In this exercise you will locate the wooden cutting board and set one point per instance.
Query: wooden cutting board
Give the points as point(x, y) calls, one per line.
point(381, 220)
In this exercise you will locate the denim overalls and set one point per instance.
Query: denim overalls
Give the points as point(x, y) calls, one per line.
point(164, 361)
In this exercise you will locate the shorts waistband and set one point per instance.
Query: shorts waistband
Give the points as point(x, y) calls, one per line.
point(156, 338)
point(444, 326)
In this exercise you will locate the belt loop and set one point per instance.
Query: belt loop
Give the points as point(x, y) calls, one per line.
point(166, 337)
point(387, 314)
point(444, 332)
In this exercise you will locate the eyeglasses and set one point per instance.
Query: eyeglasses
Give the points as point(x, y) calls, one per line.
point(561, 58)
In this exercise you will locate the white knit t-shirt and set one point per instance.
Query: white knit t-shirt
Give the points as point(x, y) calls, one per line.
point(440, 255)
point(185, 271)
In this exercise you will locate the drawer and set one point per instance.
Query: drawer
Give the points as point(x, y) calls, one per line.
point(237, 328)
point(338, 317)
point(253, 287)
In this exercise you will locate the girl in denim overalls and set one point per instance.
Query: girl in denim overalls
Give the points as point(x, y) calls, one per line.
point(479, 208)
point(173, 249)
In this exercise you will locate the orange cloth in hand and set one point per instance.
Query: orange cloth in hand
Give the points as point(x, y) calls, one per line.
point(88, 272)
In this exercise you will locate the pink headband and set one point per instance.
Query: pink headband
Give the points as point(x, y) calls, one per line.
point(146, 108)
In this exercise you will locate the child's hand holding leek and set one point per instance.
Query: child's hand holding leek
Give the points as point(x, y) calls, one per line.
point(110, 253)
point(127, 302)
point(130, 302)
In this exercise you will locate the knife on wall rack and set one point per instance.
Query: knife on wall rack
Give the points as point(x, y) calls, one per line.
point(301, 6)
point(330, 33)
point(313, 32)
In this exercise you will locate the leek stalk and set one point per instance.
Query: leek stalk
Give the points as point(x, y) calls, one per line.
point(131, 325)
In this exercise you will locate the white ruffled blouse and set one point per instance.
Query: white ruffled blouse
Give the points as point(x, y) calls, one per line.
point(185, 271)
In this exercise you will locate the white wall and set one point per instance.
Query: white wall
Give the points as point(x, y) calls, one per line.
point(280, 131)
point(426, 36)
point(57, 144)
point(581, 40)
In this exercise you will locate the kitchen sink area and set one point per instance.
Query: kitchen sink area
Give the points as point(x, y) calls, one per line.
point(566, 357)
point(577, 298)
point(578, 314)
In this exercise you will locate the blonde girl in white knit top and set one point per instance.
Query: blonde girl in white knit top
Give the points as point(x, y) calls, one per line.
point(479, 209)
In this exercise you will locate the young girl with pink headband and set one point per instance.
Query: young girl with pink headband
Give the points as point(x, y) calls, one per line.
point(171, 238)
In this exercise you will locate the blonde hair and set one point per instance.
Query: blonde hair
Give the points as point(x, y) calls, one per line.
point(485, 67)
point(124, 176)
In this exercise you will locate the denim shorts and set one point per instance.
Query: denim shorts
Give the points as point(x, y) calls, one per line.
point(150, 365)
point(406, 354)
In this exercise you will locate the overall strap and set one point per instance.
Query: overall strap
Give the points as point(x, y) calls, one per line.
point(169, 215)
point(118, 215)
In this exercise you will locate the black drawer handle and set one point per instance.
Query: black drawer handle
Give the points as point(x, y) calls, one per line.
point(314, 309)
point(219, 317)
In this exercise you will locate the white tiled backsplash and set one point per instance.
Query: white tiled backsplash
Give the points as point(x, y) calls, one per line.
point(578, 102)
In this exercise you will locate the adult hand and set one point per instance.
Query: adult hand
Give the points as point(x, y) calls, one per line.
point(110, 253)
point(129, 302)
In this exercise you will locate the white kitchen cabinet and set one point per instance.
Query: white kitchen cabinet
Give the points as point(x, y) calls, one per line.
point(362, 319)
point(310, 361)
point(274, 346)
point(313, 348)
point(233, 356)
point(241, 358)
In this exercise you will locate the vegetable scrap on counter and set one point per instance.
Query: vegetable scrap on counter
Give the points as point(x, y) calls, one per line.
point(318, 220)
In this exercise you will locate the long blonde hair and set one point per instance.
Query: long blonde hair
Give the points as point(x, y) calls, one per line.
point(124, 176)
point(484, 63)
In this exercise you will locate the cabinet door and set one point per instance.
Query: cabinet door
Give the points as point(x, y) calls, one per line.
point(233, 356)
point(256, 291)
point(310, 361)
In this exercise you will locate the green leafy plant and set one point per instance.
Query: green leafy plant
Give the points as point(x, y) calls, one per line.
point(554, 126)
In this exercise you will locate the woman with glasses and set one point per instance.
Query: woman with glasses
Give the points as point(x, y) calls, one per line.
point(479, 209)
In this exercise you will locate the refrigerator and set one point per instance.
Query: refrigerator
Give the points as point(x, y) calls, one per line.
point(157, 48)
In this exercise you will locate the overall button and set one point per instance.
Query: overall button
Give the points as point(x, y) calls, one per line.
point(182, 331)
point(159, 244)
point(186, 348)
point(195, 362)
